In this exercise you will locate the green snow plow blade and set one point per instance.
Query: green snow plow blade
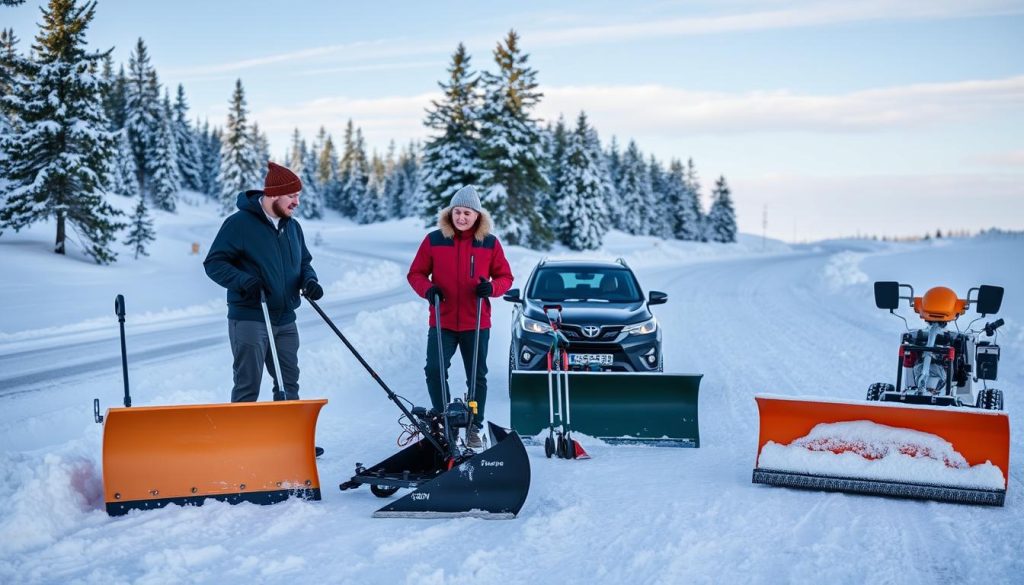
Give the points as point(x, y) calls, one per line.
point(616, 407)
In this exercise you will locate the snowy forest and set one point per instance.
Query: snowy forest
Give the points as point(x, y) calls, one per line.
point(75, 127)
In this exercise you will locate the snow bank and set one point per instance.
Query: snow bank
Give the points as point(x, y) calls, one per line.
point(843, 270)
point(868, 450)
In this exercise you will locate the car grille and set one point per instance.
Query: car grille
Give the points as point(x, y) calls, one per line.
point(575, 333)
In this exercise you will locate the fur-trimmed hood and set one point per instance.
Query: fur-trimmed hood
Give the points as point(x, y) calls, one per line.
point(447, 226)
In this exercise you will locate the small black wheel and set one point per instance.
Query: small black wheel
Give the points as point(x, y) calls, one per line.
point(560, 447)
point(875, 391)
point(571, 449)
point(990, 399)
point(383, 491)
point(549, 447)
point(563, 444)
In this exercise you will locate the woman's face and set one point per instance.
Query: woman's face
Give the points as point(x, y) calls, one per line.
point(464, 218)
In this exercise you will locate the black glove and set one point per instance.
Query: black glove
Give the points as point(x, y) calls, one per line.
point(484, 289)
point(434, 291)
point(313, 290)
point(251, 288)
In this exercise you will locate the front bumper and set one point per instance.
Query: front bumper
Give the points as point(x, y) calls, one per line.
point(630, 353)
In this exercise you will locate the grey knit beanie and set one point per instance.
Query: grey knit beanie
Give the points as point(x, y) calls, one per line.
point(466, 197)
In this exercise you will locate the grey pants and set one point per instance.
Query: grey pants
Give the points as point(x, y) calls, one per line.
point(251, 348)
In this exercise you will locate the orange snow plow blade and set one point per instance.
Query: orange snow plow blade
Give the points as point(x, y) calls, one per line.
point(260, 452)
point(925, 452)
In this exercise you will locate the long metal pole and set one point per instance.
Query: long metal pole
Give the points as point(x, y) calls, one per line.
point(273, 344)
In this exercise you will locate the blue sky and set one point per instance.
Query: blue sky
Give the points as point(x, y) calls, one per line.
point(893, 117)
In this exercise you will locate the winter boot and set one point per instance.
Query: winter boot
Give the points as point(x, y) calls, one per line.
point(473, 437)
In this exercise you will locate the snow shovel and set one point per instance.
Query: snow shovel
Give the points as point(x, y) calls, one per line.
point(882, 448)
point(616, 407)
point(241, 452)
point(446, 481)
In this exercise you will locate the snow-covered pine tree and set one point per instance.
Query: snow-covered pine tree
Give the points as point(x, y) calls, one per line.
point(312, 199)
point(693, 186)
point(582, 197)
point(683, 219)
point(343, 201)
point(635, 192)
point(372, 209)
point(721, 216)
point(356, 194)
point(239, 169)
point(658, 213)
point(613, 160)
point(164, 180)
point(121, 176)
point(261, 146)
point(510, 149)
point(142, 111)
point(556, 142)
point(450, 156)
point(56, 159)
point(394, 186)
point(12, 77)
point(411, 193)
point(190, 164)
point(209, 143)
point(327, 172)
point(140, 230)
point(113, 92)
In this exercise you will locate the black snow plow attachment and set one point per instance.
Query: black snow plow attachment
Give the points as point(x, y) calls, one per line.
point(447, 481)
point(491, 484)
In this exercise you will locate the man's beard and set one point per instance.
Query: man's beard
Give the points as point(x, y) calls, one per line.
point(280, 208)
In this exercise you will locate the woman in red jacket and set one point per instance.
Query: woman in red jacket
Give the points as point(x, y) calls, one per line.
point(458, 263)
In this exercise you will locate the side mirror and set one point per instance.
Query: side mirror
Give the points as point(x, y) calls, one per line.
point(887, 295)
point(512, 296)
point(990, 298)
point(657, 298)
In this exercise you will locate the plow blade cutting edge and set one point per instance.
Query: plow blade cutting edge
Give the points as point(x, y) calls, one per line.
point(616, 407)
point(260, 452)
point(492, 484)
point(946, 454)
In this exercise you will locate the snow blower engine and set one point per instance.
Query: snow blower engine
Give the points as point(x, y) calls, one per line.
point(938, 366)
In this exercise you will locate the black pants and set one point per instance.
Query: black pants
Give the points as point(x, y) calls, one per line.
point(463, 340)
point(250, 346)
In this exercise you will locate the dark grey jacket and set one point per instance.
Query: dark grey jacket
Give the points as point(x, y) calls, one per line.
point(248, 246)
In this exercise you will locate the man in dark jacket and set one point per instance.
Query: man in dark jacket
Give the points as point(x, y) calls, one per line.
point(458, 263)
point(260, 247)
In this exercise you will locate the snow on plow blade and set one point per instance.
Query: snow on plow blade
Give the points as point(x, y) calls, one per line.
point(260, 452)
point(924, 452)
point(492, 484)
point(617, 407)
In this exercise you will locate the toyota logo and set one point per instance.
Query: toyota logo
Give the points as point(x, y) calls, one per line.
point(590, 330)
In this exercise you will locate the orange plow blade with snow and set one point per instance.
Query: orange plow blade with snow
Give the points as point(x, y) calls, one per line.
point(925, 452)
point(260, 452)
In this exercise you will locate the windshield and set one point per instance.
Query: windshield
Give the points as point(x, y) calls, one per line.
point(609, 285)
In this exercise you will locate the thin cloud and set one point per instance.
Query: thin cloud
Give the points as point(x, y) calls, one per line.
point(810, 14)
point(661, 110)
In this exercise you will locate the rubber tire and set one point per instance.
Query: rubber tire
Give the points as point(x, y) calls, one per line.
point(990, 399)
point(382, 491)
point(571, 446)
point(549, 447)
point(560, 447)
point(876, 390)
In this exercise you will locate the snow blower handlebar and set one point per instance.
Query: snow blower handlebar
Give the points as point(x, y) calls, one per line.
point(391, 395)
point(119, 309)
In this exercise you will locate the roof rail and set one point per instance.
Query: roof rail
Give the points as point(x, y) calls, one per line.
point(543, 261)
point(622, 261)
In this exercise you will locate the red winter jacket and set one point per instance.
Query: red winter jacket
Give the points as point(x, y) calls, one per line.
point(455, 261)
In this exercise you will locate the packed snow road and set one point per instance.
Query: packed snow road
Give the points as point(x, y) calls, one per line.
point(798, 322)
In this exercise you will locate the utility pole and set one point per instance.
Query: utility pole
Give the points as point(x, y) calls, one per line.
point(764, 226)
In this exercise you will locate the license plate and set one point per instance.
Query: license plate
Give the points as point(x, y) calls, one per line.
point(583, 359)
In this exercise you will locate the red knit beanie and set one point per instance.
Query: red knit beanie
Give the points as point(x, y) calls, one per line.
point(280, 181)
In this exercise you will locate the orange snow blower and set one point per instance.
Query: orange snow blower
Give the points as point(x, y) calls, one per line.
point(259, 452)
point(931, 435)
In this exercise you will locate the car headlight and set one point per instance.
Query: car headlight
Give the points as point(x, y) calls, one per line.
point(644, 328)
point(533, 326)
